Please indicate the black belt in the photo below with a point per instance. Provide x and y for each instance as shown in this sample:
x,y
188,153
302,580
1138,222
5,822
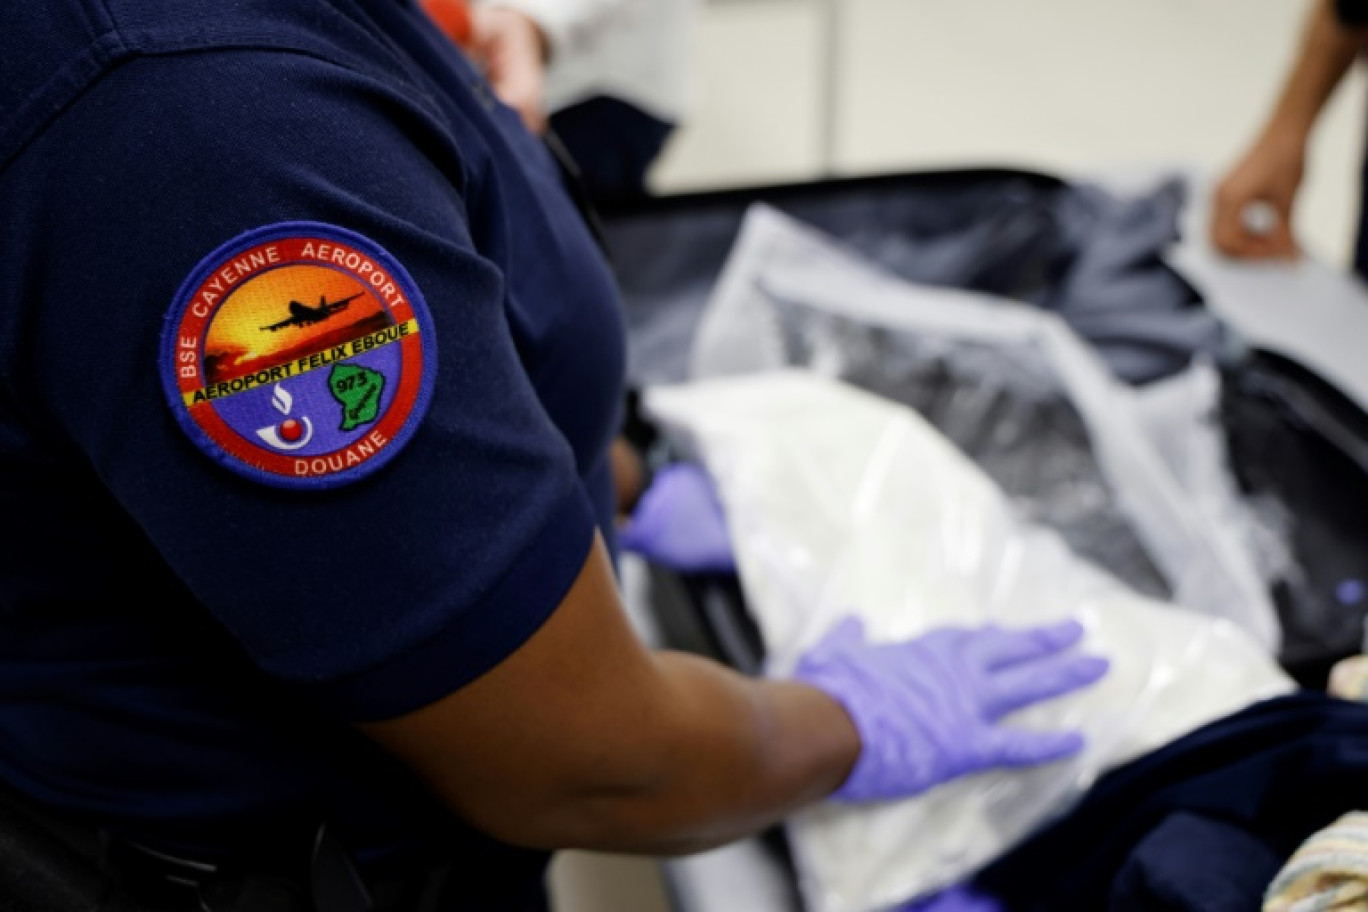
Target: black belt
x,y
49,863
320,878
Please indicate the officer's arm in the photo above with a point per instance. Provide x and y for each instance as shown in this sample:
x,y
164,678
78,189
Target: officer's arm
x,y
583,738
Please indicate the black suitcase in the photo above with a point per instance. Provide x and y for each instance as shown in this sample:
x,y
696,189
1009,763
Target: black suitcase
x,y
1294,439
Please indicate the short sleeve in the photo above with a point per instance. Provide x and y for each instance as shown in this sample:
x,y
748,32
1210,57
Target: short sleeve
x,y
379,595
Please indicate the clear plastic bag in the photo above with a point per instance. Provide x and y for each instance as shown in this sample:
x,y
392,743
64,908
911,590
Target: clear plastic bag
x,y
841,502
792,297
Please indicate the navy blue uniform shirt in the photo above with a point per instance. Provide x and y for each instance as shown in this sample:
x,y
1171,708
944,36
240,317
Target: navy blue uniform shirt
x,y
182,646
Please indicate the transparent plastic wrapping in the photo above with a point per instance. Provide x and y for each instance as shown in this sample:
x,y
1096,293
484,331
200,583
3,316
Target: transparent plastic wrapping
x,y
1002,405
1182,418
1012,386
841,502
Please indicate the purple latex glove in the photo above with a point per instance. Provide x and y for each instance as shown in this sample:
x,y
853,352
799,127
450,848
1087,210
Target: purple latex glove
x,y
956,899
679,524
927,709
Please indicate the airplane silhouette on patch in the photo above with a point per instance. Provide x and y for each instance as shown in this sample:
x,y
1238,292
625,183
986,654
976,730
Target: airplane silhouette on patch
x,y
302,315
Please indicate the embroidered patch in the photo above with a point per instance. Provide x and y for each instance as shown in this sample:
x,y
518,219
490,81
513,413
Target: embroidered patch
x,y
300,354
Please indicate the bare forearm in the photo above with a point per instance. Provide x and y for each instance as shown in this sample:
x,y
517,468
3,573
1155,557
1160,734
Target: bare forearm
x,y
1328,49
735,755
584,739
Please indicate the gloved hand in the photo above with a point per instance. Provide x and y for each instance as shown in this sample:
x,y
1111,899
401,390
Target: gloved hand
x,y
926,709
955,899
678,523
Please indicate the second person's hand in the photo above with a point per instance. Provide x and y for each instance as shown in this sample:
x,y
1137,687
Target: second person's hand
x,y
512,49
1266,179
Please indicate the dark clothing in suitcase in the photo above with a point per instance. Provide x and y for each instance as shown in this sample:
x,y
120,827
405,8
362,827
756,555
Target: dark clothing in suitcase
x,y
1242,793
1077,250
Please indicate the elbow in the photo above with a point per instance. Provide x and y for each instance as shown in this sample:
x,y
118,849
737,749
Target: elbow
x,y
638,805
573,818
602,823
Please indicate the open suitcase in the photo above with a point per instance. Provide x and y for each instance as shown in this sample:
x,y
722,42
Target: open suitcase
x,y
1292,436
1290,432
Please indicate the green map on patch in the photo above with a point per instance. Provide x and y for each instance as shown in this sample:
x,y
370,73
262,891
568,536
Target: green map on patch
x,y
358,389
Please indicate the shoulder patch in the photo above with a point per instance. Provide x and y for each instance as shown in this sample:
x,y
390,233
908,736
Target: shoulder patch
x,y
300,355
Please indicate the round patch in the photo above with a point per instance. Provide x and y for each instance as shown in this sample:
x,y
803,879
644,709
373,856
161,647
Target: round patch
x,y
301,355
